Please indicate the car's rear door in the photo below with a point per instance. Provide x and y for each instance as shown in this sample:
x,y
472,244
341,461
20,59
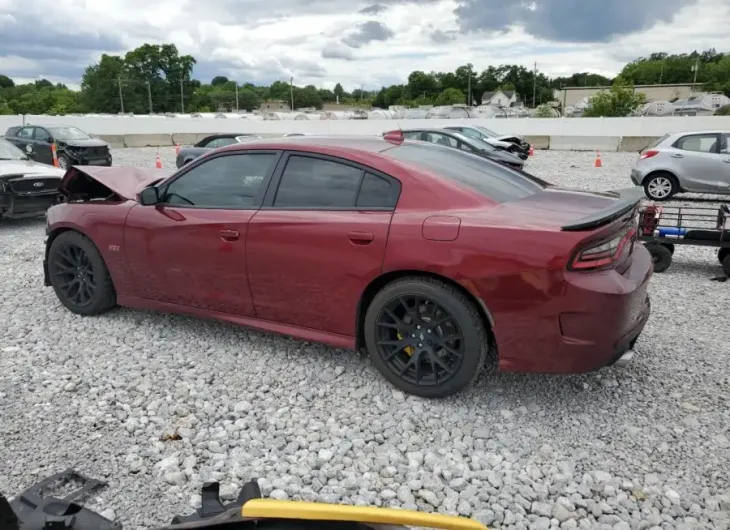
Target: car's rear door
x,y
318,241
698,162
23,139
724,184
190,249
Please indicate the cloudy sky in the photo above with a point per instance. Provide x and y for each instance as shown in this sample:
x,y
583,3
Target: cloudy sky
x,y
356,42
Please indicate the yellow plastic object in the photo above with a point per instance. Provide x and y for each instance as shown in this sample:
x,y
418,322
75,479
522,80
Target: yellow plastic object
x,y
314,511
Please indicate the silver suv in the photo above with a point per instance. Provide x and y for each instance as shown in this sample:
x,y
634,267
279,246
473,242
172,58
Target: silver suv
x,y
696,161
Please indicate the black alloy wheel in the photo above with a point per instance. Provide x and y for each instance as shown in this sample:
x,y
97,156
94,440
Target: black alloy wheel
x,y
426,337
79,276
419,340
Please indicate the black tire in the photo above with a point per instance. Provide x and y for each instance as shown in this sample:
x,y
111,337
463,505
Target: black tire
x,y
722,254
64,162
473,344
669,247
661,181
726,265
660,255
99,287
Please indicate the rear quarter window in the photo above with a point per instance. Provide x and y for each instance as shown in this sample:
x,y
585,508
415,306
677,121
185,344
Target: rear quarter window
x,y
490,179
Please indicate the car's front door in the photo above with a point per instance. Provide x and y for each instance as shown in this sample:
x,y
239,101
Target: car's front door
x,y
42,141
318,241
190,249
698,162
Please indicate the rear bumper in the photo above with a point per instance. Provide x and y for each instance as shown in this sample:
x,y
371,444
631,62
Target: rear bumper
x,y
636,177
577,322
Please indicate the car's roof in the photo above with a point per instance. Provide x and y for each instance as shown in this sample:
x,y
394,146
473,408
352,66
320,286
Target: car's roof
x,y
705,131
431,129
373,144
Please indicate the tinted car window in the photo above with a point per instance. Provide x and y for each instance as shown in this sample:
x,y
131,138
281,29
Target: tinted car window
x,y
493,180
316,183
226,182
42,135
376,192
471,133
701,143
26,133
68,133
725,143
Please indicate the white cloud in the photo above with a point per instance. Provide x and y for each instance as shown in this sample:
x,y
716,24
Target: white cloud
x,y
260,41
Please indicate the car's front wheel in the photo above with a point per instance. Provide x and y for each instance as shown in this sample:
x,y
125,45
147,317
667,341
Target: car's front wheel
x,y
661,186
426,337
79,275
64,162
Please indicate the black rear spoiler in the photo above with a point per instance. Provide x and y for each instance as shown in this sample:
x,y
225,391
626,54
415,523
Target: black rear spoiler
x,y
627,200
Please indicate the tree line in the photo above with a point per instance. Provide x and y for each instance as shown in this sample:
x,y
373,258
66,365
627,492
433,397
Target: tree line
x,y
157,79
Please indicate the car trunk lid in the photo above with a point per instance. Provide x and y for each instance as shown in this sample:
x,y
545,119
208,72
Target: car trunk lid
x,y
96,182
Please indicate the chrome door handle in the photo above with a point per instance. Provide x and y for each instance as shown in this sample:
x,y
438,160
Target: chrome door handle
x,y
677,155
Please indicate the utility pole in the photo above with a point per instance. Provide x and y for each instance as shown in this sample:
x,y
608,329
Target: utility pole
x,y
534,86
468,95
121,98
236,97
291,87
696,68
182,96
149,95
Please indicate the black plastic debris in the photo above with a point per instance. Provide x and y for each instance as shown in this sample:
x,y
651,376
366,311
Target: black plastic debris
x,y
212,506
32,511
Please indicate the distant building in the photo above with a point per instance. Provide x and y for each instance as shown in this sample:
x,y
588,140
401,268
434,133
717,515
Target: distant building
x,y
501,98
570,96
343,107
274,106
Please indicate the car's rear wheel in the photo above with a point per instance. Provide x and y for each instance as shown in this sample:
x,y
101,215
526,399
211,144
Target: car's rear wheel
x,y
722,254
426,337
661,186
79,275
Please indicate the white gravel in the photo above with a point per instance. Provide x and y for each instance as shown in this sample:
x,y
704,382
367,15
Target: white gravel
x,y
645,447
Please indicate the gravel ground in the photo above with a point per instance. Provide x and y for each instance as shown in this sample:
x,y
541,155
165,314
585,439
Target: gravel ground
x,y
642,447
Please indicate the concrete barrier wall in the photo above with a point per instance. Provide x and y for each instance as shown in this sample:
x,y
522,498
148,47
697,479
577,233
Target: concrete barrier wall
x,y
555,143
146,125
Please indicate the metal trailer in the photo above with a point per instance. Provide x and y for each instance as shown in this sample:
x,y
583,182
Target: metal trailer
x,y
661,228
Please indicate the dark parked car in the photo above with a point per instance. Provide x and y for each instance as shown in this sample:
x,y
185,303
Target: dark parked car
x,y
214,141
509,142
73,146
27,188
435,260
457,140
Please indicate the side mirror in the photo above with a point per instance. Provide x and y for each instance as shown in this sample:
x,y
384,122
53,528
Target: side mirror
x,y
149,196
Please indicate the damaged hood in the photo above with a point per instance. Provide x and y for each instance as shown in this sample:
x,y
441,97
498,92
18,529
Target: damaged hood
x,y
123,181
28,167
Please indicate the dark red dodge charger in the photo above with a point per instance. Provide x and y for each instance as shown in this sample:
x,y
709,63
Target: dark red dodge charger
x,y
437,261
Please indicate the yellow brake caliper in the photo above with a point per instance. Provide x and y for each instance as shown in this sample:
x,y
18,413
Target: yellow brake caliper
x,y
408,349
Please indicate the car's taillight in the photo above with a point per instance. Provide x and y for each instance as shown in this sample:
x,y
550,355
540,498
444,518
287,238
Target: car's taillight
x,y
605,254
649,153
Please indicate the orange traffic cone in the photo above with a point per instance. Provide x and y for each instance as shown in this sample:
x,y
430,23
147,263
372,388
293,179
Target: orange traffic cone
x,y
598,162
532,151
158,162
177,148
54,154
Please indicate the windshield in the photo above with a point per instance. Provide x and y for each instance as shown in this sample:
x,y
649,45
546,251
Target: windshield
x,y
493,180
486,131
9,152
68,133
476,143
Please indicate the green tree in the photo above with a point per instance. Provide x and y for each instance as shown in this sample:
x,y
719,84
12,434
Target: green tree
x,y
544,111
219,80
339,92
619,101
723,111
451,96
6,82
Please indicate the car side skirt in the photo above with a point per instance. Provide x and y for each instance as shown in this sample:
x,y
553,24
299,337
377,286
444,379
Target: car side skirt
x,y
308,334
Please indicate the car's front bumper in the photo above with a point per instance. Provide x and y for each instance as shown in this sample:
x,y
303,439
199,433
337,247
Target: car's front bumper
x,y
17,206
